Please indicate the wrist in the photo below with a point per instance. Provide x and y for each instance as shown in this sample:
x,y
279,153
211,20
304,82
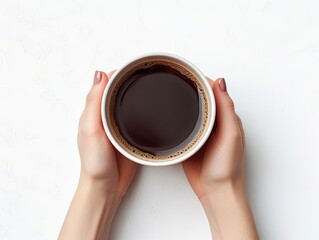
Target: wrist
x,y
101,203
98,189
228,212
91,212
222,191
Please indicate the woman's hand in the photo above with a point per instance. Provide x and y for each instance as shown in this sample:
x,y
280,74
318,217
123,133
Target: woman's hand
x,y
105,174
216,173
220,161
100,161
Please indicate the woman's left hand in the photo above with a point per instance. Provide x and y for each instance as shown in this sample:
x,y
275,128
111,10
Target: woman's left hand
x,y
100,161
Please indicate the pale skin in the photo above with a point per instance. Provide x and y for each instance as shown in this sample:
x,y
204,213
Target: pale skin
x,y
216,174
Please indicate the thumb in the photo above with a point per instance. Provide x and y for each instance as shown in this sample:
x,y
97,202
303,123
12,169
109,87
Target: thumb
x,y
226,118
92,111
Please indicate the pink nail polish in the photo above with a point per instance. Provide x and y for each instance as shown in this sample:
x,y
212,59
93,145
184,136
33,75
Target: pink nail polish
x,y
222,84
97,77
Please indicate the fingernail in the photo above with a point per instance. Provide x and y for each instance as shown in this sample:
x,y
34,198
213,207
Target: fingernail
x,y
222,84
97,77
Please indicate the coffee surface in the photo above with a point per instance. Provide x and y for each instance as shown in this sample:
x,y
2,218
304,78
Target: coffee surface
x,y
157,110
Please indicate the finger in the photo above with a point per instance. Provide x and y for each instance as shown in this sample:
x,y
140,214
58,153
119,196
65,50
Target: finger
x,y
242,133
193,165
126,167
110,74
210,81
92,111
226,118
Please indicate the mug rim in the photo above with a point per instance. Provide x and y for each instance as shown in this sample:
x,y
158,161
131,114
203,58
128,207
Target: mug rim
x,y
211,111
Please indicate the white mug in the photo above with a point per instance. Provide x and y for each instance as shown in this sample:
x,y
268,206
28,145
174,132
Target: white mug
x,y
209,101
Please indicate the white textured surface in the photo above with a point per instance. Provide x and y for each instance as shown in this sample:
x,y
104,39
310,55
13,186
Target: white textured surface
x,y
268,52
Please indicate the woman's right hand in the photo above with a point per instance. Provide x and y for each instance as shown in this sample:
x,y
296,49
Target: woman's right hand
x,y
216,173
220,161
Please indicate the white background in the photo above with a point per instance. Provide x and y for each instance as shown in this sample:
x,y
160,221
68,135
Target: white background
x,y
268,52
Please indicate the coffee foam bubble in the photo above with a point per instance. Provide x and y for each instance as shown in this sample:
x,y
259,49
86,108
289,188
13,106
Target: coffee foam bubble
x,y
122,77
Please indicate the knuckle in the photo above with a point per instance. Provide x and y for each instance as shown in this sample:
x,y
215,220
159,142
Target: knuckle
x,y
239,121
241,127
231,103
90,97
234,136
86,130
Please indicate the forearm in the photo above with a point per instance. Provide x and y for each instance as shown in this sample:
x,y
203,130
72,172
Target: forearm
x,y
91,212
229,213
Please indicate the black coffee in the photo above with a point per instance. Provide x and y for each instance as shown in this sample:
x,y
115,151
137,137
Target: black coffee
x,y
157,110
